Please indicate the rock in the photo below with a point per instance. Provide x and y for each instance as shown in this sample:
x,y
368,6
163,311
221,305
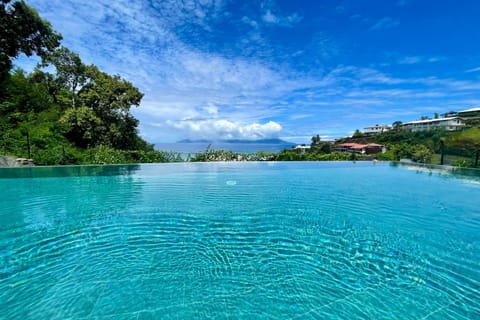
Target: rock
x,y
24,162
6,161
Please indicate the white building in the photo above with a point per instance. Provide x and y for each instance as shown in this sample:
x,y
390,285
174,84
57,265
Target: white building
x,y
469,113
301,148
448,124
376,129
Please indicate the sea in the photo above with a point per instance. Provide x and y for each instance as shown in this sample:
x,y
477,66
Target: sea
x,y
197,147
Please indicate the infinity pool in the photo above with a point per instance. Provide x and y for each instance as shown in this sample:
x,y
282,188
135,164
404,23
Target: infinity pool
x,y
239,241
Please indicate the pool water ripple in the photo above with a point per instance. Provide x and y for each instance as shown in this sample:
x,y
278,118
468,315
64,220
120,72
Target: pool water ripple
x,y
303,241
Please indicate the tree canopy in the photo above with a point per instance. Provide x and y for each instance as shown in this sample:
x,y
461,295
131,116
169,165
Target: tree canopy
x,y
22,31
64,108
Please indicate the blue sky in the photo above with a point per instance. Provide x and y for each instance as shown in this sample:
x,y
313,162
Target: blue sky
x,y
278,68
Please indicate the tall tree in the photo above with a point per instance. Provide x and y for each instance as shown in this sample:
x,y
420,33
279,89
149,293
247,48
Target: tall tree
x,y
111,98
315,140
22,31
71,72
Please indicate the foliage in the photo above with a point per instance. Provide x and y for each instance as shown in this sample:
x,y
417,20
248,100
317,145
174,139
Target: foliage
x,y
105,155
108,155
396,125
64,112
81,126
460,163
71,73
387,156
357,133
216,155
421,154
22,31
111,98
315,140
428,137
293,155
468,140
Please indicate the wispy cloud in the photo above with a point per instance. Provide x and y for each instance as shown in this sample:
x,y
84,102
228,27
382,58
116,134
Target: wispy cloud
x,y
283,21
249,21
410,60
385,23
272,16
473,70
420,59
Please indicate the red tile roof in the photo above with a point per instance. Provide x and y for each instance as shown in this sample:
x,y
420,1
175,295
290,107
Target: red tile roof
x,y
351,145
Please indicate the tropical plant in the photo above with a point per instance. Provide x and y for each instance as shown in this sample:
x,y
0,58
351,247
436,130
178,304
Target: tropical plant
x,y
468,140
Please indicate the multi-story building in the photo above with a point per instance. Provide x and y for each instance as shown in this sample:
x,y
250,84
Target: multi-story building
x,y
448,124
376,129
469,113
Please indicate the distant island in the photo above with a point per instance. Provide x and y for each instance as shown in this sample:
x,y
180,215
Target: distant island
x,y
259,141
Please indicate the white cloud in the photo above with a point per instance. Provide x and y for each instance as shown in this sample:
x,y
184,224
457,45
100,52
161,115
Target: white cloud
x,y
283,21
269,17
436,59
226,129
419,59
211,109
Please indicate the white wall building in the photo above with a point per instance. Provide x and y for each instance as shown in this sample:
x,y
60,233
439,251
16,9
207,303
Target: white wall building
x,y
376,129
469,113
449,124
301,148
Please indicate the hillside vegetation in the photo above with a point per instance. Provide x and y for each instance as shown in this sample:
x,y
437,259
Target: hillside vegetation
x,y
64,112
430,146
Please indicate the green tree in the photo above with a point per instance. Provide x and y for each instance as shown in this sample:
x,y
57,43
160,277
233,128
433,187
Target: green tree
x,y
111,98
421,154
326,147
29,121
468,140
80,126
357,134
401,151
22,31
396,126
71,73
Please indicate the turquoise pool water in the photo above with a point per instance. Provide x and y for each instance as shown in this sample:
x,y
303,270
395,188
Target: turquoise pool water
x,y
239,241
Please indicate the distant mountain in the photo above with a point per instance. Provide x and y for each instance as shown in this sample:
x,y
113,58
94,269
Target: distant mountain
x,y
259,141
